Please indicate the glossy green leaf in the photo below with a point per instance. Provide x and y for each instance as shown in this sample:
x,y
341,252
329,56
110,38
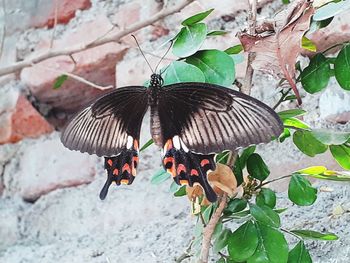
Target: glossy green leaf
x,y
222,157
181,191
341,154
331,9
217,66
234,50
330,136
265,215
315,235
308,144
316,75
285,2
217,33
160,177
296,123
272,248
300,191
245,155
266,197
146,145
280,210
222,240
257,168
189,40
196,18
308,44
243,242
332,176
59,81
290,113
286,134
342,67
299,254
237,171
179,71
313,170
235,205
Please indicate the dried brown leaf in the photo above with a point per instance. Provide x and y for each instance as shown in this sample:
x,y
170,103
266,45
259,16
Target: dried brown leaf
x,y
223,179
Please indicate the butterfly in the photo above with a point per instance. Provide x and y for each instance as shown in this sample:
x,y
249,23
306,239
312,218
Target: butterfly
x,y
190,121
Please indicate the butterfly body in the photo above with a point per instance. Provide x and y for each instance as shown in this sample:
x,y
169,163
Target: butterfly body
x,y
189,121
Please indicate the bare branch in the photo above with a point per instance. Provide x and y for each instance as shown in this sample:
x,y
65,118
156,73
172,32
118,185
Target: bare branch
x,y
246,88
209,229
112,38
73,76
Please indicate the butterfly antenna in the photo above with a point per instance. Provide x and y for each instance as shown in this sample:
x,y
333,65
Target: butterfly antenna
x,y
137,43
171,43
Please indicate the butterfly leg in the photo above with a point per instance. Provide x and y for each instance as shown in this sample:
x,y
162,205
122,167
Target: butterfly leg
x,y
188,168
121,169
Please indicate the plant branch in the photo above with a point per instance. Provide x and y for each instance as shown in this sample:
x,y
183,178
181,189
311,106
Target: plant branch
x,y
112,38
246,88
209,229
284,95
73,76
273,180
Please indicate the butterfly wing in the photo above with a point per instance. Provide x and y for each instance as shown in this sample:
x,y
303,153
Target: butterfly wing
x,y
196,120
210,118
110,127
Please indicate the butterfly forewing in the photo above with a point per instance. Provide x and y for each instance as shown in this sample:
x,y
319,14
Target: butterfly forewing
x,y
105,127
210,118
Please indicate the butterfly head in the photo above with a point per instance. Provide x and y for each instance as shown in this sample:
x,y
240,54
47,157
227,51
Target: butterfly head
x,y
156,80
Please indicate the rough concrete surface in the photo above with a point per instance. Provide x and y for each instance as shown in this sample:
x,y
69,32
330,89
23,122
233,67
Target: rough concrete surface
x,y
49,205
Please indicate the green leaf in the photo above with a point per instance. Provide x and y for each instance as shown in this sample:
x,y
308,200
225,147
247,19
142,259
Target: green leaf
x,y
284,135
341,154
237,171
243,242
245,155
280,210
235,205
329,137
308,44
146,145
308,144
265,215
315,235
181,191
222,157
300,191
189,40
207,213
285,2
196,18
290,97
266,197
342,67
296,123
222,240
179,71
160,177
217,33
332,176
313,170
290,113
299,254
217,66
234,50
59,81
316,75
331,9
272,248
257,168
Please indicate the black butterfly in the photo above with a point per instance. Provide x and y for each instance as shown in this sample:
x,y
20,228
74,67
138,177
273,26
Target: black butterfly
x,y
190,121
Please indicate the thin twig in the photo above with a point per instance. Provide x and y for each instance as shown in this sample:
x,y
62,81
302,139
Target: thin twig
x,y
246,88
186,254
273,180
112,38
209,229
284,95
54,24
2,40
73,76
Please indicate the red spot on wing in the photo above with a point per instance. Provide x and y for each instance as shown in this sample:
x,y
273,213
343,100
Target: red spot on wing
x,y
194,172
115,172
181,168
204,162
136,145
126,167
168,160
110,162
